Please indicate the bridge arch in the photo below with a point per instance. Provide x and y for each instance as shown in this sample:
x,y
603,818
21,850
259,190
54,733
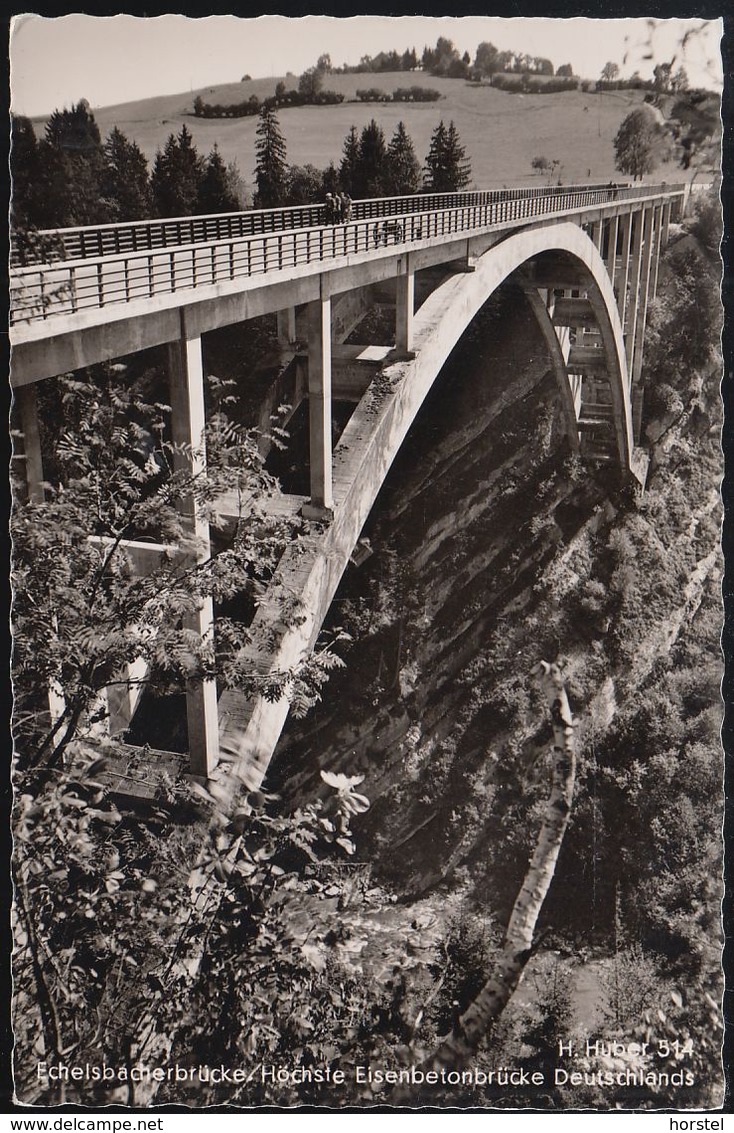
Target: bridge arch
x,y
378,427
556,258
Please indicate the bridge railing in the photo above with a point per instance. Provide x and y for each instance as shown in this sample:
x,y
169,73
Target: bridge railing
x,y
43,291
91,242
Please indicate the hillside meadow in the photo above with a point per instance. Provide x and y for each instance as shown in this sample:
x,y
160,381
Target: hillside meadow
x,y
502,131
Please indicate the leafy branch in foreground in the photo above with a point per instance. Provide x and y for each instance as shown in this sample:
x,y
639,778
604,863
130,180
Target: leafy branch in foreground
x,y
84,611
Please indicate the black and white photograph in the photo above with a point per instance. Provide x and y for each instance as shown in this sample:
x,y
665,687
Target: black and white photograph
x,y
366,563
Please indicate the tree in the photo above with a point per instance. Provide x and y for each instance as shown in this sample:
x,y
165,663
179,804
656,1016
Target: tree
x,y
271,169
305,185
409,60
447,170
565,71
542,66
215,190
348,168
323,63
679,81
444,59
661,76
370,172
610,72
486,60
25,173
402,166
637,144
176,177
310,83
126,183
72,162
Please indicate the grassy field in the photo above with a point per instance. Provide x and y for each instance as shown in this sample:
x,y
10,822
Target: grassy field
x,y
502,131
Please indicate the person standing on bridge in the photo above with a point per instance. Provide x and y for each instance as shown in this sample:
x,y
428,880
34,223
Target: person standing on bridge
x,y
346,210
330,209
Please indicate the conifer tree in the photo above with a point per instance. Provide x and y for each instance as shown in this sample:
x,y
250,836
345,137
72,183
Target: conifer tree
x,y
72,165
433,172
271,171
350,162
447,169
371,162
25,172
177,175
402,166
126,183
215,190
458,167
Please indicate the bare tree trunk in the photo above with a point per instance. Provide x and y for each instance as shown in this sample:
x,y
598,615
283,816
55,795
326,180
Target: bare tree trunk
x,y
494,996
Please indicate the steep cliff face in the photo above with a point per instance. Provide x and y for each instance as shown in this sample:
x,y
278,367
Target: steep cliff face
x,y
492,548
478,502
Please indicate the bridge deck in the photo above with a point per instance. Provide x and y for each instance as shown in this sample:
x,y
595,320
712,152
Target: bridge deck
x,y
43,293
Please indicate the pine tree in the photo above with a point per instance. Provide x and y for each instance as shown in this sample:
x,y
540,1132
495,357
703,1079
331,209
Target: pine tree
x,y
72,166
177,175
435,161
458,168
271,171
402,166
215,190
126,184
371,162
447,169
350,163
25,171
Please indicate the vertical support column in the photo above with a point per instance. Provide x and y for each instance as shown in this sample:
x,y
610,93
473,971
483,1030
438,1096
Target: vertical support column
x,y
404,307
639,220
644,292
597,235
658,238
612,249
665,222
640,324
624,278
26,399
188,420
319,405
286,323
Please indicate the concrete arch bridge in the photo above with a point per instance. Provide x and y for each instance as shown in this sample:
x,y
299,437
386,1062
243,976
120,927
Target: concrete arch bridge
x,y
587,259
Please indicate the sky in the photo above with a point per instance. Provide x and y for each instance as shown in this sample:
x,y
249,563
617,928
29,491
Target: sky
x,y
113,59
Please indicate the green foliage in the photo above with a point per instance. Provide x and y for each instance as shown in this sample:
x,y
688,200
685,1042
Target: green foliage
x,y
81,613
638,144
370,170
270,170
631,985
684,323
468,949
305,185
216,189
125,183
176,176
447,168
403,169
350,162
131,945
